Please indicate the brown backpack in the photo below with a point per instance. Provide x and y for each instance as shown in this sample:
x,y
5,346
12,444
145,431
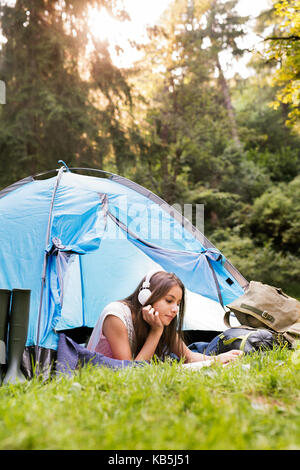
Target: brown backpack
x,y
264,306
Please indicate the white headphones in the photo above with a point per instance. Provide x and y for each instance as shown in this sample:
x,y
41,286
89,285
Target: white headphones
x,y
145,293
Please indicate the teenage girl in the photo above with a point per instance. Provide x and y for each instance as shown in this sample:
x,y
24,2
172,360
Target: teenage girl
x,y
147,323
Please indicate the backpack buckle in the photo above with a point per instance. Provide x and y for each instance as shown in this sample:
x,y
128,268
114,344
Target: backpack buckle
x,y
267,316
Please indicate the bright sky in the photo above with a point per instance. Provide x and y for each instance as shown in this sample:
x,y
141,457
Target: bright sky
x,y
145,12
142,13
251,8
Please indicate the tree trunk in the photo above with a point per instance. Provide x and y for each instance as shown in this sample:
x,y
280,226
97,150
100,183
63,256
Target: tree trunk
x,y
228,104
164,135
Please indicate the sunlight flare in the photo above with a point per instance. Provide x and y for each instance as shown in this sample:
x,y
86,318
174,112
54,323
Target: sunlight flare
x,y
121,35
118,34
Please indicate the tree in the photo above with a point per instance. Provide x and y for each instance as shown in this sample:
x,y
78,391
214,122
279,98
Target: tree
x,y
275,217
51,112
268,142
224,28
285,49
186,120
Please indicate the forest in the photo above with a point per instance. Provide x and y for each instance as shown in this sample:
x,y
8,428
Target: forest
x,y
172,121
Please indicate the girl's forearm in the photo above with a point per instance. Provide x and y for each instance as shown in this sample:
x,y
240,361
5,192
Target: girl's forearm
x,y
182,351
150,345
196,357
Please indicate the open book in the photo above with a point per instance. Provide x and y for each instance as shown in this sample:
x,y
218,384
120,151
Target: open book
x,y
198,365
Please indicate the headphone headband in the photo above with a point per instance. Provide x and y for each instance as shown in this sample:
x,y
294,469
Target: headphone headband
x,y
145,292
146,283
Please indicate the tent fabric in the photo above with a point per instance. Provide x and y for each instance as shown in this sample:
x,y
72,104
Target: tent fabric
x,y
71,232
79,242
194,269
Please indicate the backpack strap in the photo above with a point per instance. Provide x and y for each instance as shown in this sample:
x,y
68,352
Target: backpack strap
x,y
242,345
262,313
226,319
227,322
243,339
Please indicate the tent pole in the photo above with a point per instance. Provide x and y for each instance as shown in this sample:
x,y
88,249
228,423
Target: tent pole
x,y
59,175
82,291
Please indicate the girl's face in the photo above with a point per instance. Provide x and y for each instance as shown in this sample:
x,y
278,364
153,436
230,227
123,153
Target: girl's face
x,y
168,305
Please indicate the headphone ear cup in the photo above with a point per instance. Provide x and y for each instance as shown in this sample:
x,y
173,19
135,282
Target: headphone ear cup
x,y
144,295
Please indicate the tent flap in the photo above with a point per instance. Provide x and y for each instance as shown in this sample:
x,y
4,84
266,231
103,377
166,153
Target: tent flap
x,y
77,227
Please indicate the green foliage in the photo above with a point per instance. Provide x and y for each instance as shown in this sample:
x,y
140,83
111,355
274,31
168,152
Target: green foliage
x,y
275,216
285,49
261,239
268,142
260,262
218,206
261,126
280,165
241,175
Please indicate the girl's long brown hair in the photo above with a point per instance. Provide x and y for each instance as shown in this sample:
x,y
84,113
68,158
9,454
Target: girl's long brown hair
x,y
160,283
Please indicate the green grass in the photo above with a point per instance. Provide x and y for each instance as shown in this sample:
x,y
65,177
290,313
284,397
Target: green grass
x,y
253,403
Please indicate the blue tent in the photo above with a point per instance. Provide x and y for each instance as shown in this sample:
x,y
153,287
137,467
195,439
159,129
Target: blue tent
x,y
79,241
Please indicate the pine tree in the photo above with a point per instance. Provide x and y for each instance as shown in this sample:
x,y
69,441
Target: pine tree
x,y
224,28
52,112
187,126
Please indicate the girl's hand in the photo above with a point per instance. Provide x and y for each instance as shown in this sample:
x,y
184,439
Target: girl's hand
x,y
152,318
228,356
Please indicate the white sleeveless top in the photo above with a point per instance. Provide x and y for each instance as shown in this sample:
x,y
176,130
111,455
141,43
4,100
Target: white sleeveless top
x,y
97,341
